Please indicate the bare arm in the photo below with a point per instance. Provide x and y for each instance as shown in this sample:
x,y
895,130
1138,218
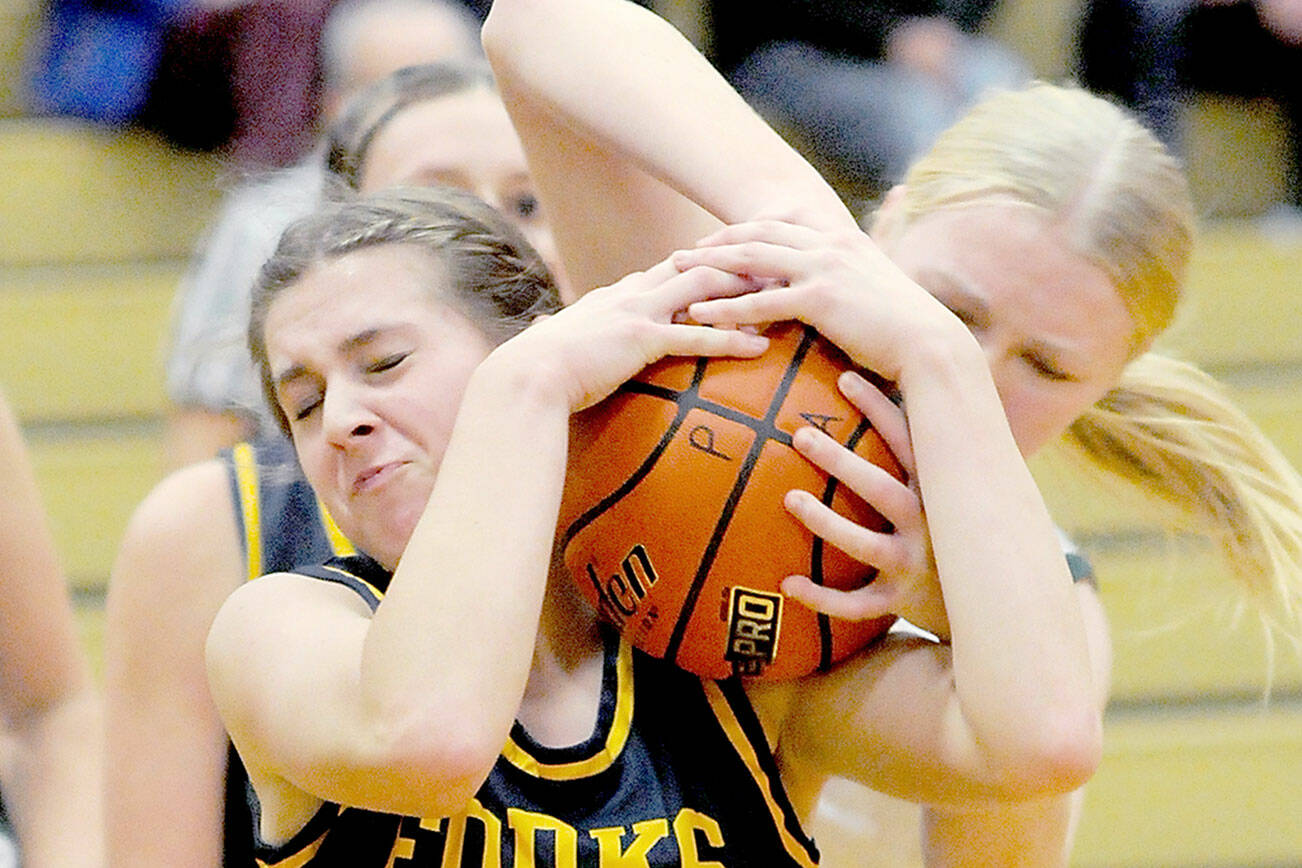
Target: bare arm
x,y
50,706
197,434
1031,834
166,758
633,139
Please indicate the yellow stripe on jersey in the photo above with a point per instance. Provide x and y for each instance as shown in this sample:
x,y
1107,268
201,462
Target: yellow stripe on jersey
x,y
616,738
246,477
339,543
298,859
746,751
376,592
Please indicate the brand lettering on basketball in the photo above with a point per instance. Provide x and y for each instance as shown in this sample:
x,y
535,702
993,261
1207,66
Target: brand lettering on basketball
x,y
820,421
753,624
618,596
702,437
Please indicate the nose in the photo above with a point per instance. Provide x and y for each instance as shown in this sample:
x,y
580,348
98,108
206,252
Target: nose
x,y
346,416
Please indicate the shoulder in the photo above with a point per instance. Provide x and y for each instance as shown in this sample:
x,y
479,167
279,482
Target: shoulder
x,y
182,538
188,504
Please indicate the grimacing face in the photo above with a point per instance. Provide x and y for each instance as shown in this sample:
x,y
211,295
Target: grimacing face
x,y
369,369
1055,332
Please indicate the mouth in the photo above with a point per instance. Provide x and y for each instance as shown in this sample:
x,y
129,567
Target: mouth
x,y
373,477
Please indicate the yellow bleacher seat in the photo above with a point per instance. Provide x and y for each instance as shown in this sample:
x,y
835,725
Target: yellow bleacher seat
x,y
90,345
91,484
1244,304
74,192
1175,633
18,21
1205,788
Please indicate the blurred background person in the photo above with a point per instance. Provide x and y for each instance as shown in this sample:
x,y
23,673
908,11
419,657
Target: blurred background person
x,y
50,753
210,381
1157,55
861,86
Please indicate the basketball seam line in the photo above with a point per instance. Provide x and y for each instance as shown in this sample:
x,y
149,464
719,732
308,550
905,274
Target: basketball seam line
x,y
762,436
816,552
732,414
638,475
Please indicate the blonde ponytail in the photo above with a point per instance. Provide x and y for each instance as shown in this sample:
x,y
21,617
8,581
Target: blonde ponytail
x,y
1169,430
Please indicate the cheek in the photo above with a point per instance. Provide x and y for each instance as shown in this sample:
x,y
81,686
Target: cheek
x,y
1035,414
312,460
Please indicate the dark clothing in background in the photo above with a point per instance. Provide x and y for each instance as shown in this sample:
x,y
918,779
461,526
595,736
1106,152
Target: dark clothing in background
x,y
1154,54
853,28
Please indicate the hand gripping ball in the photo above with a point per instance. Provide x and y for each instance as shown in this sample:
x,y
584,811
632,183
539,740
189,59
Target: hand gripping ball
x,y
672,523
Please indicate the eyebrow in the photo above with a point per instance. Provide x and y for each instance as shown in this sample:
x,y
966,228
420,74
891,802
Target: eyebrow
x,y
978,309
361,339
975,305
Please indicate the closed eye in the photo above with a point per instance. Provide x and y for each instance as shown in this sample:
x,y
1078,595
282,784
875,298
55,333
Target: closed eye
x,y
306,410
387,363
1044,368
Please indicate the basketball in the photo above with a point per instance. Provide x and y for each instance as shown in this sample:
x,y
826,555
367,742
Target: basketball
x,y
672,524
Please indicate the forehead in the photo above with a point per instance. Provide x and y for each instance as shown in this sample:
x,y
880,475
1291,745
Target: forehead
x,y
373,288
466,134
1022,267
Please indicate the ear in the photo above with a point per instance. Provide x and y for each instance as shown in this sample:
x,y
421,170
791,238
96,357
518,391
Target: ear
x,y
883,222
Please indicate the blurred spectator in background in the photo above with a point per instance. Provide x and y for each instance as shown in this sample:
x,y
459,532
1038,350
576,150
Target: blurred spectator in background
x,y
204,74
96,59
247,77
50,738
243,76
1155,54
860,86
216,400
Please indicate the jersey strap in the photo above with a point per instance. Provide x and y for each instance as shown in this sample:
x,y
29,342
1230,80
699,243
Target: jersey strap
x,y
732,707
614,722
282,524
359,572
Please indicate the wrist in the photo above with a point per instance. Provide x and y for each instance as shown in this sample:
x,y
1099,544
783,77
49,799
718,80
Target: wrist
x,y
527,381
947,353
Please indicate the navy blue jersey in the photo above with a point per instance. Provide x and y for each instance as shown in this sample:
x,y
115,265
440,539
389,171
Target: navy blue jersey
x,y
281,525
676,773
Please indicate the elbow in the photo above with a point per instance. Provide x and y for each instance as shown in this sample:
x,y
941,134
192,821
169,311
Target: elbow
x,y
1062,757
424,767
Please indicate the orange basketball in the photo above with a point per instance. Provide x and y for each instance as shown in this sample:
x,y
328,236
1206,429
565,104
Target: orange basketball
x,y
673,525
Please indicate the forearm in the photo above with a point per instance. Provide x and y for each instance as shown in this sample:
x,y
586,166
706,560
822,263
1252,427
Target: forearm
x,y
54,793
631,83
166,770
453,640
1023,682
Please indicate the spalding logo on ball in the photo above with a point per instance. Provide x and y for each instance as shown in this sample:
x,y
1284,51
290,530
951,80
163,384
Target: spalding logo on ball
x,y
673,525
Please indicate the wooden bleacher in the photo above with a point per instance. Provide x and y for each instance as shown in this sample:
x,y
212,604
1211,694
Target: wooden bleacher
x,y
95,229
